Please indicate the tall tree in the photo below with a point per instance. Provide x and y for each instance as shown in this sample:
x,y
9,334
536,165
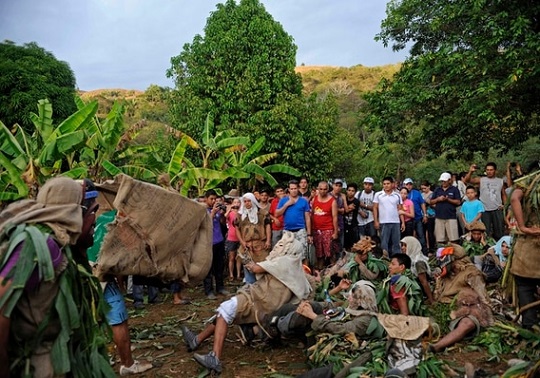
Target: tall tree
x,y
29,73
242,72
471,81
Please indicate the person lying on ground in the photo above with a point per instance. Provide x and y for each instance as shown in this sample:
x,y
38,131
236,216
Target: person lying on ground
x,y
419,264
467,321
280,279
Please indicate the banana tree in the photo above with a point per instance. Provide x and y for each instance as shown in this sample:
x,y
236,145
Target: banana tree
x,y
32,159
248,161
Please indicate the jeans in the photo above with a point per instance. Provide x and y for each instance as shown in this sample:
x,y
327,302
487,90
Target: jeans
x,y
421,235
138,294
494,221
216,270
390,237
367,229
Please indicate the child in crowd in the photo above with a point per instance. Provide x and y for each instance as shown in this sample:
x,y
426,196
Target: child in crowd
x,y
472,209
398,298
232,243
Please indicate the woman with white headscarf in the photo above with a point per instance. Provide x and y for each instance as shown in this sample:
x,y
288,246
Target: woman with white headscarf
x,y
253,229
419,264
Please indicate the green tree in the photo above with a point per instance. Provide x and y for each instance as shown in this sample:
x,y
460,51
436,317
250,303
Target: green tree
x,y
471,81
242,72
29,73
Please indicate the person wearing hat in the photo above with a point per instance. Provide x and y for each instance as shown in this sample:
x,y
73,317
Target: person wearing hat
x,y
446,198
476,242
366,225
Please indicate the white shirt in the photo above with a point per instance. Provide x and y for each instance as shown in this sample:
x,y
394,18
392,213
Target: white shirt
x,y
388,206
367,200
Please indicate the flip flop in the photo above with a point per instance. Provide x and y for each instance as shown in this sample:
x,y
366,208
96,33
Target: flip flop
x,y
183,302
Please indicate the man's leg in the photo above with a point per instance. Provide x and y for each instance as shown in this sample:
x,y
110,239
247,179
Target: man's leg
x,y
395,239
526,290
498,224
219,266
487,219
440,231
421,235
463,328
122,341
385,237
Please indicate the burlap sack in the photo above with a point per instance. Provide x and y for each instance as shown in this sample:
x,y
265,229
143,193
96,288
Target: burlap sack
x,y
156,233
403,326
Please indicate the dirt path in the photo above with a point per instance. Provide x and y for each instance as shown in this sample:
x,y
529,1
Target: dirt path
x,y
156,336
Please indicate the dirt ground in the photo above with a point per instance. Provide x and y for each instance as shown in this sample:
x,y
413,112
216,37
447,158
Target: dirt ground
x,y
156,337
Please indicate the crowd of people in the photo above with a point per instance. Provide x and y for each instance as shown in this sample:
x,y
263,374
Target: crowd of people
x,y
326,258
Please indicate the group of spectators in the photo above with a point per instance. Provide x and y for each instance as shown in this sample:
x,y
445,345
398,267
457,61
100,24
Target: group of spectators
x,y
327,258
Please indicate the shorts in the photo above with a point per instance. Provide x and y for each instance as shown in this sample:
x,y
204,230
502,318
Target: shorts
x,y
227,310
231,246
453,324
117,313
446,230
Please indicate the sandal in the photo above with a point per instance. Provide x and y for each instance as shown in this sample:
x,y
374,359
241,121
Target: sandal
x,y
183,302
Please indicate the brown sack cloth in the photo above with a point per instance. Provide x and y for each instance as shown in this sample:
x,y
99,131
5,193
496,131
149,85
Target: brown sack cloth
x,y
156,233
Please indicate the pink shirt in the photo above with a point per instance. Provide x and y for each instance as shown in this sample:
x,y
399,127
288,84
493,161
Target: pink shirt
x,y
231,231
407,206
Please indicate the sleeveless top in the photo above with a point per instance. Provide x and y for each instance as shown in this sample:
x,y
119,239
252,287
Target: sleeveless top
x,y
322,214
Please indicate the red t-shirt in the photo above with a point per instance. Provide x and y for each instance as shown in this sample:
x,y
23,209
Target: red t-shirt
x,y
322,214
273,208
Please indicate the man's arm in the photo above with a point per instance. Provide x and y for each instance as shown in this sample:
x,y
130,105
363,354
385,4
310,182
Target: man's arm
x,y
515,202
468,177
335,220
376,215
255,268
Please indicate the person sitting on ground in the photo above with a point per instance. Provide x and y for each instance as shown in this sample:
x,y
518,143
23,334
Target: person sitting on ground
x,y
471,315
281,279
457,273
359,265
398,287
476,243
419,264
502,249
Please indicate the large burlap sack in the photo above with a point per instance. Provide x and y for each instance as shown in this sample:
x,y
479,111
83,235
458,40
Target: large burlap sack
x,y
156,233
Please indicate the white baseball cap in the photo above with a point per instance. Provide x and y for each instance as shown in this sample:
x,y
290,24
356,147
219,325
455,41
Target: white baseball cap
x,y
369,180
407,181
445,176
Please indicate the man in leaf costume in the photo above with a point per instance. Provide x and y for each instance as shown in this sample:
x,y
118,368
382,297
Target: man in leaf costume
x,y
525,201
49,308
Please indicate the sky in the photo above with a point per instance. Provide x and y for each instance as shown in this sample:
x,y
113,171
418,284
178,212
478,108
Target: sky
x,y
129,43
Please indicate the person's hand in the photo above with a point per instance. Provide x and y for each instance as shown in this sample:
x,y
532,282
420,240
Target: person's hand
x,y
473,168
305,309
534,231
363,214
292,201
267,244
277,222
335,235
344,284
310,239
402,226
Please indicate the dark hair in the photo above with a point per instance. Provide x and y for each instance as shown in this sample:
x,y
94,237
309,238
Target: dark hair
x,y
264,190
293,182
352,185
279,186
462,175
403,259
304,178
210,192
404,187
491,164
425,183
388,178
471,187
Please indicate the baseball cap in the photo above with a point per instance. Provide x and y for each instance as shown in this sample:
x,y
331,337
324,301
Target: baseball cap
x,y
369,180
407,181
445,176
338,181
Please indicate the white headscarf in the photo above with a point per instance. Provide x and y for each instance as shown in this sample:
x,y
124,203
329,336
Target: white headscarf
x,y
498,247
414,250
363,299
252,213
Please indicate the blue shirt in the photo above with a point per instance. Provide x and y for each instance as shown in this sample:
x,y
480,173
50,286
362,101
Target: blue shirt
x,y
294,216
416,197
444,209
470,209
217,235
